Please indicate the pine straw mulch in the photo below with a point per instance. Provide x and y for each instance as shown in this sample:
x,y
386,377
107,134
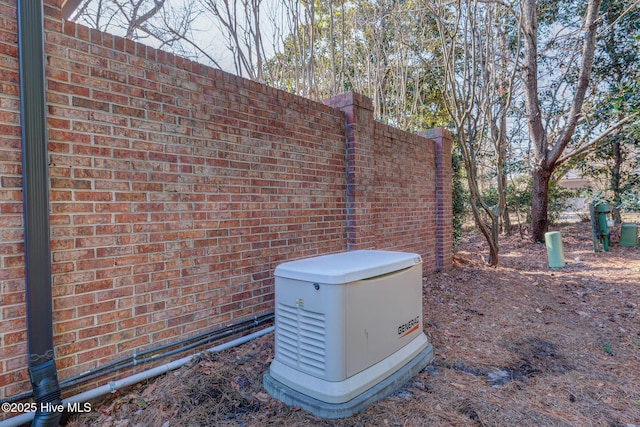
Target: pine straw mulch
x,y
516,345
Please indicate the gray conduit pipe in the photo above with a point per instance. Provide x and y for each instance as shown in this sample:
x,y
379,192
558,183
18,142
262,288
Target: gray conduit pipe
x,y
113,386
156,353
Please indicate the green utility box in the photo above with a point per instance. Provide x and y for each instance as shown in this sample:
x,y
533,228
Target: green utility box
x,y
603,210
555,252
628,235
599,225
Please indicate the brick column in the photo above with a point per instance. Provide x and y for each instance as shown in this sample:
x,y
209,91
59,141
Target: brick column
x,y
443,141
360,173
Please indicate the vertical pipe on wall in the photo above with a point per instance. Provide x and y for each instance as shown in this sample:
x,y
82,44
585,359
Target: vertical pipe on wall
x,y
35,183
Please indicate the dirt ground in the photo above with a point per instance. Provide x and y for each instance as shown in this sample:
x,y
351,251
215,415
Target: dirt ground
x,y
516,345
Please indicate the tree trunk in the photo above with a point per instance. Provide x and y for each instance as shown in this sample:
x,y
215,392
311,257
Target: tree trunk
x,y
548,152
503,210
489,233
615,178
540,204
506,221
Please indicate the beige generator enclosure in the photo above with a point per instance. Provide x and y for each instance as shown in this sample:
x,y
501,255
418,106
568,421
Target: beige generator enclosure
x,y
348,330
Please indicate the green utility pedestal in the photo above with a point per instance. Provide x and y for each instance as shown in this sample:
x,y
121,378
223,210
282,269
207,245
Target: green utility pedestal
x,y
603,229
599,227
553,241
628,235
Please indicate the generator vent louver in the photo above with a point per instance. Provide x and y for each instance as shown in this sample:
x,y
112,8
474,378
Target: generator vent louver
x,y
301,338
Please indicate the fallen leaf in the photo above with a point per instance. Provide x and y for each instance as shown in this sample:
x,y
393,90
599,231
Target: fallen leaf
x,y
262,396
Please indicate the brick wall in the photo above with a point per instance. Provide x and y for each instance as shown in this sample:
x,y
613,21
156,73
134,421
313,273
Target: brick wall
x,y
443,142
176,189
391,181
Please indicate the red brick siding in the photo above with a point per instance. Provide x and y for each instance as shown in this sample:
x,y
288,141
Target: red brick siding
x,y
392,186
443,141
176,189
405,193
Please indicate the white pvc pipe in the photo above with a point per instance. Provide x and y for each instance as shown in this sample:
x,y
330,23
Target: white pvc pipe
x,y
112,386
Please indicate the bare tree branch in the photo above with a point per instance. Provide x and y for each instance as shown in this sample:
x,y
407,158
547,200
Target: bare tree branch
x,y
595,142
588,50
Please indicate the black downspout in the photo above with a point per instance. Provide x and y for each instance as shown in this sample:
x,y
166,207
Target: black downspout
x,y
35,184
